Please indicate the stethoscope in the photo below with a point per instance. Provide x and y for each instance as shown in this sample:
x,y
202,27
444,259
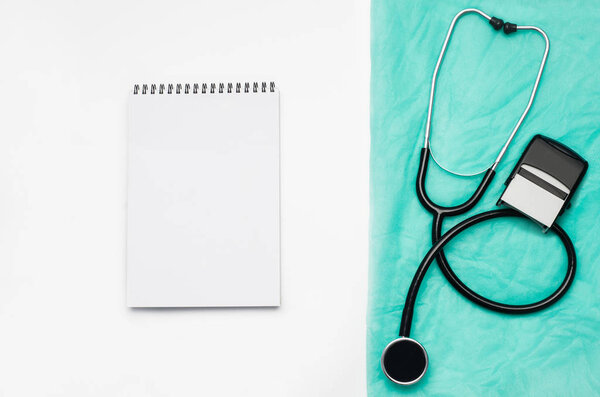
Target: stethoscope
x,y
404,360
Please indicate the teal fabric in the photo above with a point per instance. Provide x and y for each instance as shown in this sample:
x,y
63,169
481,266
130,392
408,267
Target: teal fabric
x,y
483,87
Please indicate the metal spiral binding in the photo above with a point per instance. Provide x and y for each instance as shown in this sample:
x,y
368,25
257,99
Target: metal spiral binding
x,y
204,88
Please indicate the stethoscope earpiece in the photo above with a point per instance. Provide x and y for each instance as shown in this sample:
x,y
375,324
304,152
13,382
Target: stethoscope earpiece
x,y
404,361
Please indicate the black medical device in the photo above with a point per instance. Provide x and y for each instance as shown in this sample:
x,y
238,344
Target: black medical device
x,y
543,182
540,187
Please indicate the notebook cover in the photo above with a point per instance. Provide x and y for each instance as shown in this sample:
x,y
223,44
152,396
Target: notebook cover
x,y
203,198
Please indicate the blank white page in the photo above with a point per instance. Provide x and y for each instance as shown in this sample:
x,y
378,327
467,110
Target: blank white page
x,y
203,199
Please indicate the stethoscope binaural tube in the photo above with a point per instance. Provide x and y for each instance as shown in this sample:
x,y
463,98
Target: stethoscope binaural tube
x,y
404,360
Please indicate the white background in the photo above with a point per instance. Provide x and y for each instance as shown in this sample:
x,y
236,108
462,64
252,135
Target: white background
x,y
66,68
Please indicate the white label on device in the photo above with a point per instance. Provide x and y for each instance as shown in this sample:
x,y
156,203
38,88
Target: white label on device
x,y
534,201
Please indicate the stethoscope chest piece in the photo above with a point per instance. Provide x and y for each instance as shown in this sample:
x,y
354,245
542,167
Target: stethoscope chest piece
x,y
404,361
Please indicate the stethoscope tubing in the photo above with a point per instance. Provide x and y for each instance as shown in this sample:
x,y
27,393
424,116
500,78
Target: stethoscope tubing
x,y
436,249
439,212
400,362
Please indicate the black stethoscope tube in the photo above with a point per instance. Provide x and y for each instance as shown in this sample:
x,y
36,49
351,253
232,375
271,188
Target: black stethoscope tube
x,y
404,360
438,210
439,241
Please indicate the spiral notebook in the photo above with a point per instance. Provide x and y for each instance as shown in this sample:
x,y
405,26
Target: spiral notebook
x,y
203,195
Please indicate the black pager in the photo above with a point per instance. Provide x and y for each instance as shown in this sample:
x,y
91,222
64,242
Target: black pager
x,y
544,180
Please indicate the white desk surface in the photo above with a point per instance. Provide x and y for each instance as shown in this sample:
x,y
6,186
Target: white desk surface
x,y
66,70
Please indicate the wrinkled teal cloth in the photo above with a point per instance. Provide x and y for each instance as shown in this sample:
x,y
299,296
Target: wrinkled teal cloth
x,y
483,86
